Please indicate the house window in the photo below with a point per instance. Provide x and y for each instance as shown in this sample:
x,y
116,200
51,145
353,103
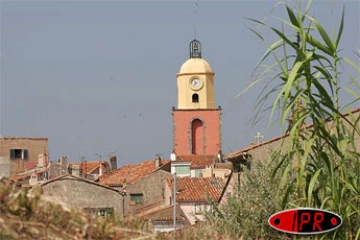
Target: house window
x,y
199,209
182,169
19,154
102,212
197,172
136,198
195,98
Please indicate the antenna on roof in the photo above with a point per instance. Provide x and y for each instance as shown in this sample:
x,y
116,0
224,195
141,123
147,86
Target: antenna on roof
x,y
98,155
82,159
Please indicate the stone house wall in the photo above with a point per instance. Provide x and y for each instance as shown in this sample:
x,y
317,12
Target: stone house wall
x,y
74,192
152,188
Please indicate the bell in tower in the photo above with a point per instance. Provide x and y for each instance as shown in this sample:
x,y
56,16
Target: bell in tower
x,y
195,49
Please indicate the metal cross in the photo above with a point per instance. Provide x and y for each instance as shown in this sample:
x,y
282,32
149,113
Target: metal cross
x,y
258,137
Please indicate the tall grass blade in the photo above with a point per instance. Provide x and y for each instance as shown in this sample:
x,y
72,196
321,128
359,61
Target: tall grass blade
x,y
341,28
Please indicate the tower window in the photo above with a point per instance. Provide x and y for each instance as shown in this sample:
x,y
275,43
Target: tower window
x,y
195,98
197,134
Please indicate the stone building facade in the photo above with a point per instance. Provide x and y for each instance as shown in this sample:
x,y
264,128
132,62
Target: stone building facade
x,y
79,193
146,193
22,153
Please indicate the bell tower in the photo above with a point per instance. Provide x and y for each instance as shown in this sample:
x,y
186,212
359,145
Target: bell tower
x,y
195,81
196,119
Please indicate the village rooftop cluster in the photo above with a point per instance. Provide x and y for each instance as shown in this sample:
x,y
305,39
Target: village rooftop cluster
x,y
196,163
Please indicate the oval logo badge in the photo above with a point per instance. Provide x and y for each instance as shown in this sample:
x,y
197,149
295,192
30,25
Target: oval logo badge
x,y
305,221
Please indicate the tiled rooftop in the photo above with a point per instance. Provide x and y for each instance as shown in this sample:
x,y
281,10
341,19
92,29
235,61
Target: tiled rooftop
x,y
30,165
130,173
197,161
223,165
69,176
162,213
197,189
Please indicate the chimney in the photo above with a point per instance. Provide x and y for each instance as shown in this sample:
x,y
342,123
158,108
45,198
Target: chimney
x,y
63,165
173,156
157,161
113,163
102,169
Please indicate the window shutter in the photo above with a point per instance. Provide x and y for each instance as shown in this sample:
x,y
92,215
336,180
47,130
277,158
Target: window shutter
x,y
12,153
26,154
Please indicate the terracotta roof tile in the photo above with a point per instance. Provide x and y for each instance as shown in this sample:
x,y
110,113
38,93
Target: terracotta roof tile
x,y
162,213
130,173
253,146
82,179
197,161
197,189
223,165
30,165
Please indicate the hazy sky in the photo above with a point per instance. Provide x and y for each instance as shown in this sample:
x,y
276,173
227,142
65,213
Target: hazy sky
x,y
97,77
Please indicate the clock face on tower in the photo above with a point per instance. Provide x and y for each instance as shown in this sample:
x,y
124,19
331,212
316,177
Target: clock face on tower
x,y
196,83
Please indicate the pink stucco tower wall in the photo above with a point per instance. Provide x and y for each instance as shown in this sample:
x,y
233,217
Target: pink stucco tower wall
x,y
196,131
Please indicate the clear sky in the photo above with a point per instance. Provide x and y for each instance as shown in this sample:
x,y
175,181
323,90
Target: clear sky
x,y
97,77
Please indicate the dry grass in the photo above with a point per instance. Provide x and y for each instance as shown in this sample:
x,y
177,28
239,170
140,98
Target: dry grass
x,y
24,215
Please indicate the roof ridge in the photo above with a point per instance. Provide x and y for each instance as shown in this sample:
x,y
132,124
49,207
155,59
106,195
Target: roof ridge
x,y
309,125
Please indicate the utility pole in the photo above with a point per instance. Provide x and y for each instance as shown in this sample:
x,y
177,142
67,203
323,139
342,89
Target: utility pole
x,y
174,204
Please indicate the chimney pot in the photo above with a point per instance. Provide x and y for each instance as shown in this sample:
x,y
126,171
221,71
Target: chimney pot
x,y
157,161
173,156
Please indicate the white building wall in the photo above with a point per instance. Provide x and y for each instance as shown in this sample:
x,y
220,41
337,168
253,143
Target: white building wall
x,y
189,211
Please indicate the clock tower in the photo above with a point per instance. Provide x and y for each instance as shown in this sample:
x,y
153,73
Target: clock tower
x,y
196,120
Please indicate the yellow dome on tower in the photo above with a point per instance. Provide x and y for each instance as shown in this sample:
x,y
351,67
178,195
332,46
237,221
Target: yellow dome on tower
x,y
196,65
195,81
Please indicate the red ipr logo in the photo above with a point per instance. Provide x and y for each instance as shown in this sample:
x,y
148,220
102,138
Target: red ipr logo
x,y
305,221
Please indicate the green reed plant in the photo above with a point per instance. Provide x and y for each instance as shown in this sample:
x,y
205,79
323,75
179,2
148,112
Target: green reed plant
x,y
323,155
